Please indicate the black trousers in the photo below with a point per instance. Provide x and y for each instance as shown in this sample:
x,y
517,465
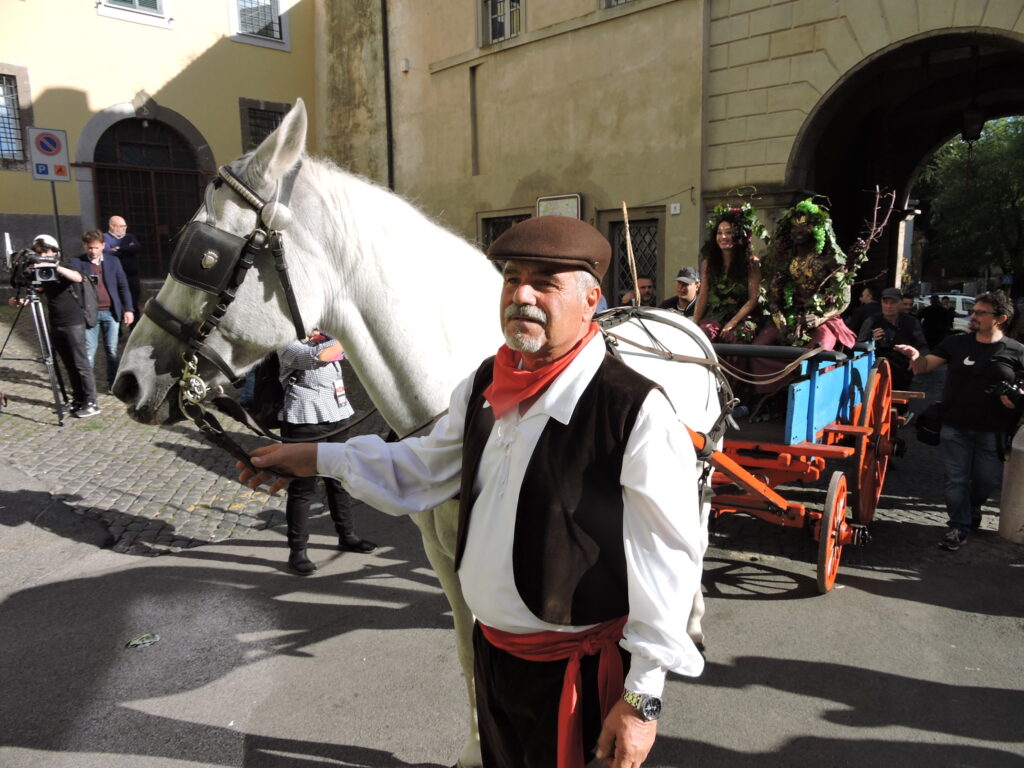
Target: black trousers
x,y
517,706
302,490
69,344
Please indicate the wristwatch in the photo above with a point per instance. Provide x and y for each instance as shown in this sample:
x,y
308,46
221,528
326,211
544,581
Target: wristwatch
x,y
648,707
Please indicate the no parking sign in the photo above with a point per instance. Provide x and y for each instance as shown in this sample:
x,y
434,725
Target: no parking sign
x,y
48,153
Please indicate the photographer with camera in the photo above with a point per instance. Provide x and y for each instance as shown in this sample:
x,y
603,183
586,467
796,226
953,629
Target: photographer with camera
x,y
892,327
113,299
980,409
59,283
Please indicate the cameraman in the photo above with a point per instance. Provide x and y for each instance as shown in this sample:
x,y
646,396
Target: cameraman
x,y
67,324
980,409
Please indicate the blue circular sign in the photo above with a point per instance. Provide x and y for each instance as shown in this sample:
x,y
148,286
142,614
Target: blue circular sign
x,y
48,143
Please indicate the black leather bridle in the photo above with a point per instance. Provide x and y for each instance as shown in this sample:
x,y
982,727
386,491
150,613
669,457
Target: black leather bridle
x,y
217,262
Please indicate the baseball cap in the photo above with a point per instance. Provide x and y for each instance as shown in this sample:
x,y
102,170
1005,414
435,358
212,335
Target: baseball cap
x,y
46,240
892,293
687,275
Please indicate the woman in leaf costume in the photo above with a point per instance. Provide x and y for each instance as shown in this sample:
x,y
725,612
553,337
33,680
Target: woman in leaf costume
x,y
727,306
807,281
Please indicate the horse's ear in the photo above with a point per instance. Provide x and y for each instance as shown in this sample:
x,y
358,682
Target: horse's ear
x,y
280,150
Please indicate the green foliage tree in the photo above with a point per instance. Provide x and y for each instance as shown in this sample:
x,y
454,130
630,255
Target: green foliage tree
x,y
974,200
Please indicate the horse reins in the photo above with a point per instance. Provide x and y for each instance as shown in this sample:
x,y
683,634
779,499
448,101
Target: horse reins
x,y
222,279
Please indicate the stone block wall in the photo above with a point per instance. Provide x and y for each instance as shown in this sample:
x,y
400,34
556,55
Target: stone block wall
x,y
770,63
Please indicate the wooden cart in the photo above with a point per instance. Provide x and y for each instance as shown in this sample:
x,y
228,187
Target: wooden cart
x,y
838,407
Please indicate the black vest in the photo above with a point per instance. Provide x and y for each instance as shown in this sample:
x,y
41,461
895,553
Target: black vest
x,y
568,557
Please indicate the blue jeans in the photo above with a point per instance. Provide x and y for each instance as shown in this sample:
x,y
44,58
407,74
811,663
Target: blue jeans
x,y
974,469
110,327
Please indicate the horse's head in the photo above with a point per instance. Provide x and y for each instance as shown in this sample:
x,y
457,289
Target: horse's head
x,y
204,266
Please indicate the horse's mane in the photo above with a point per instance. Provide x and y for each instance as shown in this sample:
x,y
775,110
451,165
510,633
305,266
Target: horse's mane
x,y
415,303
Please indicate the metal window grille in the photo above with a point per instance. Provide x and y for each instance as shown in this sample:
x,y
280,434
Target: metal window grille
x,y
262,123
645,250
503,19
259,17
494,227
152,6
11,145
147,173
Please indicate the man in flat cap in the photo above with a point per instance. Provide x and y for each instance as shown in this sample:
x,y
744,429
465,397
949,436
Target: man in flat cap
x,y
576,553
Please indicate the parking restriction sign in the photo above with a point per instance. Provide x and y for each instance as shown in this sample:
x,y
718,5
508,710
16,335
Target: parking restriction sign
x,y
48,152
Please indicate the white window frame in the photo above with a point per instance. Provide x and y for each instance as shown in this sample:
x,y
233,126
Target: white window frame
x,y
164,18
284,44
485,12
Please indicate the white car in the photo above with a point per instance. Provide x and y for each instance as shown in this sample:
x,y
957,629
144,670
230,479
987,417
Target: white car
x,y
961,306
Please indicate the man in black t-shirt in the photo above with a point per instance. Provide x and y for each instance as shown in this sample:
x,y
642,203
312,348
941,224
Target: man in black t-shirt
x,y
67,327
890,327
978,417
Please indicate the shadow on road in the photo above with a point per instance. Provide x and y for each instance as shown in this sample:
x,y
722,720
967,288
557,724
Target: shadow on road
x,y
873,699
811,752
83,690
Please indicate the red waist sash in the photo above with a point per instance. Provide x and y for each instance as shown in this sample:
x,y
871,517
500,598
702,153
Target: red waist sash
x,y
602,639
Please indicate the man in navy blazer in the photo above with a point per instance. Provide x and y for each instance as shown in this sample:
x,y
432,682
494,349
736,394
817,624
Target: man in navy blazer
x,y
113,296
126,246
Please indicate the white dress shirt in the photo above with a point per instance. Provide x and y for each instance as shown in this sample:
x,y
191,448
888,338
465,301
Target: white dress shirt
x,y
661,521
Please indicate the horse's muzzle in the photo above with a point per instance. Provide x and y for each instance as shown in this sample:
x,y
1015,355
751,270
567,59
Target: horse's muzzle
x,y
150,411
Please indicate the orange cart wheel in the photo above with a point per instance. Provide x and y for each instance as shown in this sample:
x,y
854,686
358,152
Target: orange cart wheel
x,y
875,448
833,520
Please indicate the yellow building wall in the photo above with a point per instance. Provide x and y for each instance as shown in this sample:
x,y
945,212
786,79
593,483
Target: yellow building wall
x,y
80,63
605,102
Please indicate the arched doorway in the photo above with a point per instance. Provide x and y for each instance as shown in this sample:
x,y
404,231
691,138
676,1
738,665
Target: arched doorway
x,y
885,117
145,171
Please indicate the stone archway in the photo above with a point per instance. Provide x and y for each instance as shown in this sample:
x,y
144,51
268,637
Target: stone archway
x,y
96,138
884,118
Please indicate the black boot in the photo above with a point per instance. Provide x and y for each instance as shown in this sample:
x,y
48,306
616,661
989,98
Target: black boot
x,y
353,543
301,564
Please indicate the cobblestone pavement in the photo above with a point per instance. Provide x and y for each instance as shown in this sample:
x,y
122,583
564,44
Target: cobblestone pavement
x,y
908,523
163,489
158,489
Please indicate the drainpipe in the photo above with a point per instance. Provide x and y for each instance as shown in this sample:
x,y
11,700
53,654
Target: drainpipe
x,y
388,130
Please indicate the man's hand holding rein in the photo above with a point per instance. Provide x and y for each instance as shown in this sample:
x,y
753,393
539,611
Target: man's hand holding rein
x,y
274,461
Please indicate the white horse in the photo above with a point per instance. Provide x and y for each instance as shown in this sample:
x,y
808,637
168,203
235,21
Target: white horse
x,y
415,306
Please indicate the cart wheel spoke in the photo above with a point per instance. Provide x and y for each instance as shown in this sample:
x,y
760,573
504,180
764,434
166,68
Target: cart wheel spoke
x,y
830,532
874,449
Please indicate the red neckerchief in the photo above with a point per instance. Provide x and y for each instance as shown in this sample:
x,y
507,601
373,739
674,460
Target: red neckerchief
x,y
554,646
511,385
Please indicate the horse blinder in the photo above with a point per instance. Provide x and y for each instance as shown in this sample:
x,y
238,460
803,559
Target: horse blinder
x,y
205,257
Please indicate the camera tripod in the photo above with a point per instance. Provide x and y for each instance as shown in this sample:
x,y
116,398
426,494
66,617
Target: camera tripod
x,y
60,395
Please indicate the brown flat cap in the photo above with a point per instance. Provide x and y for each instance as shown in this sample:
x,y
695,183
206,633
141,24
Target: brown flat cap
x,y
557,240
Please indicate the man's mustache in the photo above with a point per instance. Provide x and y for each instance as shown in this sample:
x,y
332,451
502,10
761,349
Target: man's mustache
x,y
528,311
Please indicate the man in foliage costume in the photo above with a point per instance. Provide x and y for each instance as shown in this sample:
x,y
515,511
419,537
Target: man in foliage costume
x,y
807,281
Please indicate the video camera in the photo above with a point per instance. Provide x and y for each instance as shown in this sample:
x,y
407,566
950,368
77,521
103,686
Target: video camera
x,y
1013,394
30,268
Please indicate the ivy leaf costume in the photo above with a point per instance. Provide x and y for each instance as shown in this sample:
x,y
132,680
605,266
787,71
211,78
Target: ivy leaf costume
x,y
803,292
